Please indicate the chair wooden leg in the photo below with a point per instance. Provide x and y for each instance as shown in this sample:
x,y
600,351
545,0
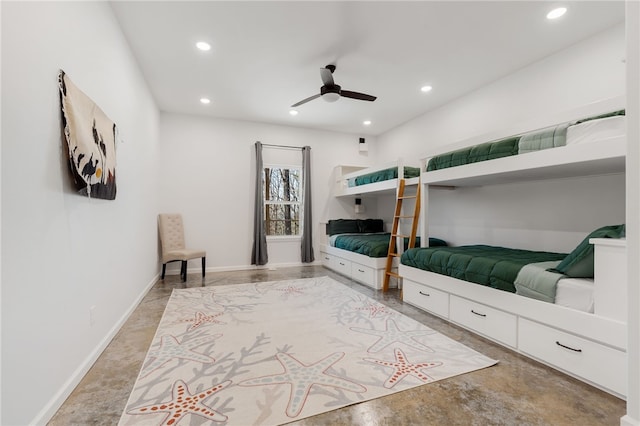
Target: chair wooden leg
x,y
204,262
183,271
164,268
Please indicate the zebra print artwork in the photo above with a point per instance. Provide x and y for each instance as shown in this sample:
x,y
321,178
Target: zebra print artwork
x,y
90,137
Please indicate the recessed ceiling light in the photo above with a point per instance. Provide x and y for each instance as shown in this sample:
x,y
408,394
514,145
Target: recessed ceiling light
x,y
293,112
556,13
426,88
203,45
205,101
366,122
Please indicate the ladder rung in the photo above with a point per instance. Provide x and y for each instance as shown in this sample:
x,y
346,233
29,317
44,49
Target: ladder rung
x,y
393,274
404,197
400,235
394,254
404,217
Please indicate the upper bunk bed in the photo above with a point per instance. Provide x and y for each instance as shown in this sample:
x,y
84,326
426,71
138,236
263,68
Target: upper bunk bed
x,y
587,141
374,180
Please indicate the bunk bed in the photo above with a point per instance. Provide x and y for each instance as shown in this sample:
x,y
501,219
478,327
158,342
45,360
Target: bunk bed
x,y
358,249
588,345
374,180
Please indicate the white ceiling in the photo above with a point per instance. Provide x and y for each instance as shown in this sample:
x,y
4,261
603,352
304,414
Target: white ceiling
x,y
266,55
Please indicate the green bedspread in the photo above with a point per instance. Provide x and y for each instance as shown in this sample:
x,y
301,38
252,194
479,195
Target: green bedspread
x,y
495,267
382,175
374,244
474,154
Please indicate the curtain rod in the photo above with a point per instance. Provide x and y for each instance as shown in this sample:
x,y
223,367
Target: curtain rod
x,y
283,146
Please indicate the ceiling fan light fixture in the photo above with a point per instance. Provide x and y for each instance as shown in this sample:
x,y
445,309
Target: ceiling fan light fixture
x,y
331,97
293,112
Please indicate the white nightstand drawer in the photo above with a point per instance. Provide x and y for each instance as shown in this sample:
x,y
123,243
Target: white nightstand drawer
x,y
425,297
362,273
597,363
493,323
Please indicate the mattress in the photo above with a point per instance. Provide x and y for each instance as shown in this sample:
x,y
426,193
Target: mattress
x,y
596,130
495,267
575,293
591,129
382,175
372,244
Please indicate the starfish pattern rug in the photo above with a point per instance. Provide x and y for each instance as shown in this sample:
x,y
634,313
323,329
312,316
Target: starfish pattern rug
x,y
273,352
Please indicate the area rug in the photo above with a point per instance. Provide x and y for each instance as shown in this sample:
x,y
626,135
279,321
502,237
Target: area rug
x,y
273,352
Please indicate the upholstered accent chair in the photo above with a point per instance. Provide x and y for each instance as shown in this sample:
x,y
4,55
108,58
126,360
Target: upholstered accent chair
x,y
171,231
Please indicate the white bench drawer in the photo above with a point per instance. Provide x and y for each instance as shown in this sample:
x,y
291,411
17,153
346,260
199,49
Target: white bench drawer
x,y
493,323
326,259
594,362
362,273
425,297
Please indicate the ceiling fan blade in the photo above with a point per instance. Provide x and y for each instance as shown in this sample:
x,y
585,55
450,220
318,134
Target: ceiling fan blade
x,y
327,77
357,95
304,101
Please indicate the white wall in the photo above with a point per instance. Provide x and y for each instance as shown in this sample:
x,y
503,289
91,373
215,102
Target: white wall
x,y
207,174
536,214
63,253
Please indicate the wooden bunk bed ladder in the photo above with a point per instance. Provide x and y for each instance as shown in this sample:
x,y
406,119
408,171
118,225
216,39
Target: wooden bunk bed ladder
x,y
393,241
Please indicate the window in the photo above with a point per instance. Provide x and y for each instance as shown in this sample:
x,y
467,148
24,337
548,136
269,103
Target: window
x,y
282,200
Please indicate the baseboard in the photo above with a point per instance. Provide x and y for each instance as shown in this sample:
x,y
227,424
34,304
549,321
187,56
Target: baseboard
x,y
197,270
628,421
56,402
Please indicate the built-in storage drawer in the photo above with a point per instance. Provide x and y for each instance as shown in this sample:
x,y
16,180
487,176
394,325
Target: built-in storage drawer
x,y
594,362
340,265
326,259
362,273
493,323
425,297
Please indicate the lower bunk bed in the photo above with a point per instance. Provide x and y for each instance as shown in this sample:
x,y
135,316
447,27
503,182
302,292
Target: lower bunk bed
x,y
580,332
358,249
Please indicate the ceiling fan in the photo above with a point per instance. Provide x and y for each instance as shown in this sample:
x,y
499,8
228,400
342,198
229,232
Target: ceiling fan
x,y
331,92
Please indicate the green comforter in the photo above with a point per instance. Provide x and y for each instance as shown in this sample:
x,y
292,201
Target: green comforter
x,y
495,267
474,154
387,174
373,245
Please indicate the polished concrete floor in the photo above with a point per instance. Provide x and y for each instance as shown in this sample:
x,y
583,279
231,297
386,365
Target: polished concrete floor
x,y
517,391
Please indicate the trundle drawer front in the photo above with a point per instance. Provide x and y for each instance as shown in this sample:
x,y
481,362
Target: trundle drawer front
x,y
427,298
361,273
493,323
340,265
326,259
597,363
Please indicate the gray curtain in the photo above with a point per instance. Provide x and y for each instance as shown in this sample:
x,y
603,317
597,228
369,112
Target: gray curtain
x,y
307,229
259,254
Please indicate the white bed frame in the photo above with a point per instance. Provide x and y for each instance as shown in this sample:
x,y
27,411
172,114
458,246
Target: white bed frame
x,y
343,173
364,269
591,347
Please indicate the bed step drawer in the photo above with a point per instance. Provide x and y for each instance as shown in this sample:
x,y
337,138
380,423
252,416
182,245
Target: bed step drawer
x,y
425,297
362,273
493,323
599,364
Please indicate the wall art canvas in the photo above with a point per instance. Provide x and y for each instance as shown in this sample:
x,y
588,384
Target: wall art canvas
x,y
90,136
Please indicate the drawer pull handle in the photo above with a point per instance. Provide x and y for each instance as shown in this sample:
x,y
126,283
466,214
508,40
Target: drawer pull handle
x,y
326,258
360,270
567,347
478,313
342,263
425,294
